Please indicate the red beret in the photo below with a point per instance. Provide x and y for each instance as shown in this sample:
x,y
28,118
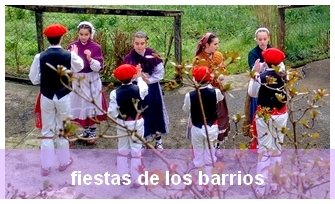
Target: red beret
x,y
273,56
54,30
201,73
125,72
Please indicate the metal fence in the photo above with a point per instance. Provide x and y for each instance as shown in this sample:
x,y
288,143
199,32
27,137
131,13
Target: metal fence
x,y
114,28
304,32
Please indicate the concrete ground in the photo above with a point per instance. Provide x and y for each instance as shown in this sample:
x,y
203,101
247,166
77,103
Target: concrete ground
x,y
22,158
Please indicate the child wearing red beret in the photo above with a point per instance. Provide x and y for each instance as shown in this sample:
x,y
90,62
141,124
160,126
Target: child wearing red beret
x,y
269,135
262,37
121,107
207,54
54,100
210,96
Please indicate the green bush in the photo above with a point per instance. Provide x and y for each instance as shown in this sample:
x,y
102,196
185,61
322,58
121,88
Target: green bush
x,y
307,33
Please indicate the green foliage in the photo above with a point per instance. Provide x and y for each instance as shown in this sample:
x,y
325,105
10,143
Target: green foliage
x,y
313,39
307,36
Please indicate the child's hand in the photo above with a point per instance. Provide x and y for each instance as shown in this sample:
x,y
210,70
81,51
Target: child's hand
x,y
74,48
88,55
257,66
139,71
220,78
145,78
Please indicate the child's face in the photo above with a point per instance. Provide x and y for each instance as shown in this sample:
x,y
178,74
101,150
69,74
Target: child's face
x,y
84,35
139,45
213,46
262,39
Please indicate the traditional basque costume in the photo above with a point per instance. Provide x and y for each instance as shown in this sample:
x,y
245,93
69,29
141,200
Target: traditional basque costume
x,y
90,87
55,97
121,104
269,135
156,120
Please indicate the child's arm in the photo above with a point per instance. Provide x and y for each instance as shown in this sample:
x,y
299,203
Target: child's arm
x,y
254,86
282,67
157,74
219,96
143,87
187,103
77,63
112,108
97,60
259,66
34,73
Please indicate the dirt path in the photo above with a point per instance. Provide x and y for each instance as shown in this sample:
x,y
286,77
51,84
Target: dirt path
x,y
22,158
20,100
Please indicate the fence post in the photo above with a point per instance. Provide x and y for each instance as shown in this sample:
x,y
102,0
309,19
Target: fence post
x,y
39,30
281,29
177,38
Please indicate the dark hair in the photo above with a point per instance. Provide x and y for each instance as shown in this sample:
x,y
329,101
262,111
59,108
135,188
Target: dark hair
x,y
203,82
210,39
125,81
85,26
54,40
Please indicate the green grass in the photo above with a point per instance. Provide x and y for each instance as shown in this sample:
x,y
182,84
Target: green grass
x,y
306,38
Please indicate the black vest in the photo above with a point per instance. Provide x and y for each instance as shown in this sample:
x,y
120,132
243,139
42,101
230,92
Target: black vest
x,y
50,80
266,96
124,98
208,97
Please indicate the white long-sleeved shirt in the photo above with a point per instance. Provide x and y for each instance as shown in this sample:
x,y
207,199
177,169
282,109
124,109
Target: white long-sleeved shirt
x,y
113,106
77,64
187,100
157,74
95,65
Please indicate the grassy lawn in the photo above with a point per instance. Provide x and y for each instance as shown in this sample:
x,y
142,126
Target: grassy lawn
x,y
307,36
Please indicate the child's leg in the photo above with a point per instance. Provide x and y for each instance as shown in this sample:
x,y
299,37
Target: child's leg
x,y
158,144
48,124
275,160
92,134
198,144
223,125
63,153
136,161
278,122
136,157
123,151
209,154
47,155
262,168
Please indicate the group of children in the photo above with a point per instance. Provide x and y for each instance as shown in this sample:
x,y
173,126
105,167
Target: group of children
x,y
84,58
212,118
140,75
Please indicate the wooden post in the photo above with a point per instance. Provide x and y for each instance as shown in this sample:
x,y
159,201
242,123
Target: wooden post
x,y
39,30
281,29
177,39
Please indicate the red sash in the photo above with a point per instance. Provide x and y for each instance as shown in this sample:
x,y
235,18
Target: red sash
x,y
38,112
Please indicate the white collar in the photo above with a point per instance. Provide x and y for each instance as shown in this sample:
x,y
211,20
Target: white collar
x,y
55,46
207,86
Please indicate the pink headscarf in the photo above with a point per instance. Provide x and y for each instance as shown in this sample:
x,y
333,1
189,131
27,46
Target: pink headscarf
x,y
202,42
